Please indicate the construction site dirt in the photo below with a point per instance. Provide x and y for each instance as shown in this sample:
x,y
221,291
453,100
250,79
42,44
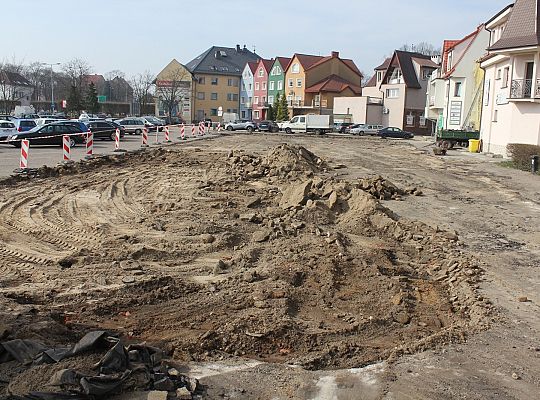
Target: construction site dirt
x,y
280,267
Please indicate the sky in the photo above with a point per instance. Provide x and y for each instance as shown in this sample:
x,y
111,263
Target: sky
x,y
135,36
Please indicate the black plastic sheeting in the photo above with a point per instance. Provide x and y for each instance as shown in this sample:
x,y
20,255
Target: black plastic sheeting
x,y
114,368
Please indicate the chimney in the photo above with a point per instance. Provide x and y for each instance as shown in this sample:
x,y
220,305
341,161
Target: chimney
x,y
245,47
335,54
238,48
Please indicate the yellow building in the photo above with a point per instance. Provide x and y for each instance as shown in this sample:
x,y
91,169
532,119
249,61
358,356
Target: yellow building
x,y
174,91
218,75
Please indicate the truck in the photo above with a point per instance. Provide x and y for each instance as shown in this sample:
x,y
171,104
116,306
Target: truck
x,y
311,123
230,117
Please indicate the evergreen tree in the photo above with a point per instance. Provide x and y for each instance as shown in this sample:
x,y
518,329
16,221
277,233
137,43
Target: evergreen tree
x,y
74,100
276,106
283,109
92,104
270,115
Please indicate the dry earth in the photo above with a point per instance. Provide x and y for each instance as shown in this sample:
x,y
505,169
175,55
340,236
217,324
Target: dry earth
x,y
349,268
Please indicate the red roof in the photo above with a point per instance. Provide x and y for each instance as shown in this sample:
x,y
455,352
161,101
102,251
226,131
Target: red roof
x,y
384,65
284,61
267,64
447,50
347,62
304,59
252,66
335,84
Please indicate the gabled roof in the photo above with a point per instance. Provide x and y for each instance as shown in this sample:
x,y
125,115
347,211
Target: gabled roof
x,y
471,36
222,61
252,66
13,78
334,83
405,61
347,62
283,61
372,81
305,60
267,64
384,65
499,14
95,79
522,27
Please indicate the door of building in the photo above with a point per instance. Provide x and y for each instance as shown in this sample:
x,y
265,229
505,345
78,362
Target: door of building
x,y
529,68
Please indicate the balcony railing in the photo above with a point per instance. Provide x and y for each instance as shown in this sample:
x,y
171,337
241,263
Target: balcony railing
x,y
525,89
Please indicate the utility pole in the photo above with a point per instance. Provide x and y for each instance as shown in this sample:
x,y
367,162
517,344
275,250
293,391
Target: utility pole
x,y
52,84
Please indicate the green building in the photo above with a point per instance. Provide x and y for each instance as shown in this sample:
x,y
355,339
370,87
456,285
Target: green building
x,y
276,79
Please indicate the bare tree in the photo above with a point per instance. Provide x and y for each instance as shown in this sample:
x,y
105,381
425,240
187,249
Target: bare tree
x,y
76,70
115,73
142,86
13,86
422,48
173,89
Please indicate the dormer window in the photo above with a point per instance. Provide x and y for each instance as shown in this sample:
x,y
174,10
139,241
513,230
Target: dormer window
x,y
397,76
379,76
296,68
261,72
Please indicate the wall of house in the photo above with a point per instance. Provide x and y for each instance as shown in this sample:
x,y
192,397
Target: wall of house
x,y
295,92
355,106
260,95
396,106
246,94
276,79
207,108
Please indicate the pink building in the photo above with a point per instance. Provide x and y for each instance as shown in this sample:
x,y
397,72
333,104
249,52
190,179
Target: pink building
x,y
260,91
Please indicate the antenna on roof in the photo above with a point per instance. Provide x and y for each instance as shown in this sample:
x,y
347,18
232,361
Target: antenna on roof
x,y
254,49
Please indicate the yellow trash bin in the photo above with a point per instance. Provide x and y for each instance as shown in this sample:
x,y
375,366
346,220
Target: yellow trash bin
x,y
474,146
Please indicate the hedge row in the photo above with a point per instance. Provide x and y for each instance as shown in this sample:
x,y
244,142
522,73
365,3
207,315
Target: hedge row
x,y
521,154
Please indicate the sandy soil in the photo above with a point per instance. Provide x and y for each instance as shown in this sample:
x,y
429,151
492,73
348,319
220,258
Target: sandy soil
x,y
300,270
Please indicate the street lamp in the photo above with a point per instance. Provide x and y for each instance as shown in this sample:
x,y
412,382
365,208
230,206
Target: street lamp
x,y
52,84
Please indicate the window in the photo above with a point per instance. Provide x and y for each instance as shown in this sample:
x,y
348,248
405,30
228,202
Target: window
x,y
264,86
296,68
457,89
256,114
201,80
410,120
505,77
264,99
235,82
232,97
495,115
213,112
257,87
256,101
422,121
499,74
291,83
243,115
250,87
234,110
425,74
302,119
271,99
299,83
213,96
215,81
229,82
261,72
200,95
392,93
280,85
242,100
272,84
379,76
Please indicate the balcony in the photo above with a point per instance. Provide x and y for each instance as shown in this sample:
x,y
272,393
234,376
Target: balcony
x,y
320,103
525,89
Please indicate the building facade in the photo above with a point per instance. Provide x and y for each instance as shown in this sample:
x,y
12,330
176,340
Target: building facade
x,y
15,90
276,79
174,92
246,91
454,96
511,103
260,91
218,72
401,82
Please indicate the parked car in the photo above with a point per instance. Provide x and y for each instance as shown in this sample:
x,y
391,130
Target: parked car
x,y
364,129
105,129
49,135
134,125
267,126
7,117
7,128
392,132
24,125
81,125
174,121
155,121
46,120
340,127
244,125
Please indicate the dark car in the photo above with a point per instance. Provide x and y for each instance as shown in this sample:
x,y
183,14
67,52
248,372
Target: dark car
x,y
341,127
155,121
49,135
392,132
174,120
81,125
105,129
267,126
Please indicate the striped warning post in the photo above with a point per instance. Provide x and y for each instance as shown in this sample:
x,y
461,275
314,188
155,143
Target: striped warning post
x,y
144,138
89,144
219,127
201,128
66,147
25,150
117,140
157,135
193,130
182,132
207,130
167,138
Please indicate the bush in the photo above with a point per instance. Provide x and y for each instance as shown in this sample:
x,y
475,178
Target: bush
x,y
521,154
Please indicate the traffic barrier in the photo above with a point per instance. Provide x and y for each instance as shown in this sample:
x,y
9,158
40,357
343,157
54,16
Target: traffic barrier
x,y
144,138
207,130
182,132
89,144
167,138
25,150
201,129
193,130
117,141
66,145
157,136
219,127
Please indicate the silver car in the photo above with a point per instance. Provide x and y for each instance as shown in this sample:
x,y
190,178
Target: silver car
x,y
365,129
249,126
135,125
7,128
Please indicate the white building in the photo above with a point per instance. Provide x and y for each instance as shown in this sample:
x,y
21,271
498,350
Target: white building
x,y
14,90
454,95
511,105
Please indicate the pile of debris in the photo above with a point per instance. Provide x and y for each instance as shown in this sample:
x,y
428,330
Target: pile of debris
x,y
121,368
383,189
284,161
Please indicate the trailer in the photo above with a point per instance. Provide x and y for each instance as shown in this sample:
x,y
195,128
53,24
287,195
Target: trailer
x,y
449,138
